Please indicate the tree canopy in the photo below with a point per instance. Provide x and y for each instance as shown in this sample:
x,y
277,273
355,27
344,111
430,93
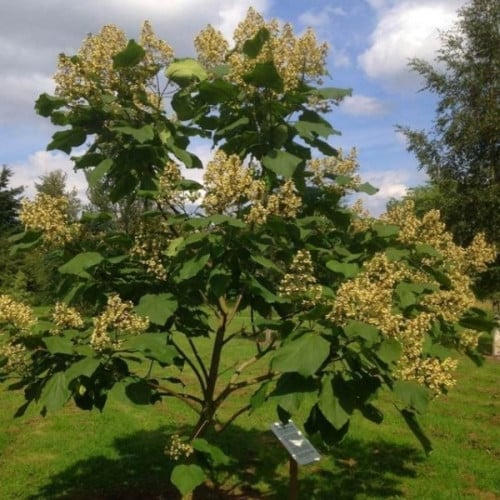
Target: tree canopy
x,y
461,153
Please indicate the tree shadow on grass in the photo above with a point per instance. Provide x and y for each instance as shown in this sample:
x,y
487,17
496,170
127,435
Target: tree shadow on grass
x,y
140,470
367,469
371,469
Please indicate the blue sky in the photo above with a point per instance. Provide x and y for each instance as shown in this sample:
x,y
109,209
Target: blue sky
x,y
370,44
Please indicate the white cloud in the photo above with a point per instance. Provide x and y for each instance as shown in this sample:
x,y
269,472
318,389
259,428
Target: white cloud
x,y
362,105
405,30
18,94
390,184
41,163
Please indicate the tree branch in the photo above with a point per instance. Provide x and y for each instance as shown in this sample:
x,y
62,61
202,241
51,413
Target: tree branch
x,y
188,399
203,383
198,358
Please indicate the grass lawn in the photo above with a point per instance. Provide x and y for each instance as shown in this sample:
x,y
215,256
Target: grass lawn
x,y
118,454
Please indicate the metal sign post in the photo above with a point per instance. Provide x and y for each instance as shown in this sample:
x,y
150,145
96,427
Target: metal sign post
x,y
301,451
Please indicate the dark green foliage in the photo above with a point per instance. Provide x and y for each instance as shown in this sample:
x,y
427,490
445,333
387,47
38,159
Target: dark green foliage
x,y
9,202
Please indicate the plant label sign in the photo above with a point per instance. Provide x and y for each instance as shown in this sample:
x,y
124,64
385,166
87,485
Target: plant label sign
x,y
300,448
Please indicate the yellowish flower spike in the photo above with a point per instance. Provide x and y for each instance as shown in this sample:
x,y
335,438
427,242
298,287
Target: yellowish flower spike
x,y
15,313
49,214
91,72
150,241
117,318
92,68
17,357
322,169
229,185
297,59
211,47
65,316
299,283
177,449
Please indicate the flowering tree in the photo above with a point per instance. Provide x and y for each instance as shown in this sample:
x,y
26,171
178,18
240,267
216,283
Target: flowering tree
x,y
348,305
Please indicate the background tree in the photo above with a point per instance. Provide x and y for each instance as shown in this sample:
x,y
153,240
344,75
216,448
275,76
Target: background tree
x,y
9,202
12,277
54,184
125,214
461,153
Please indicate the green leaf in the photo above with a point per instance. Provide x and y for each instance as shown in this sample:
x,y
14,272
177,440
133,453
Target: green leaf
x,y
240,122
192,267
58,345
46,104
317,422
406,298
281,162
385,230
440,351
157,307
55,392
333,93
139,392
478,323
85,367
367,188
141,135
183,105
257,288
355,329
389,351
217,456
304,355
153,346
189,159
97,173
264,75
66,140
291,391
216,91
372,413
78,264
394,254
265,262
439,276
310,130
423,249
253,46
349,270
330,405
130,56
279,136
187,477
412,422
185,71
413,395
218,219
324,147
218,282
